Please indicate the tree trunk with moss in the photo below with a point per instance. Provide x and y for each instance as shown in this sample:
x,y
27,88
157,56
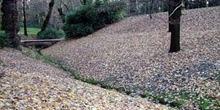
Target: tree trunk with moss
x,y
10,21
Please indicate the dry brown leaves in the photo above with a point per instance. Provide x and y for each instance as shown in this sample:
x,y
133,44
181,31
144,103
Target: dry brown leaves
x,y
134,52
29,84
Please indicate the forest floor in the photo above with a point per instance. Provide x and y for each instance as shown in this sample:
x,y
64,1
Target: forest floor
x,y
133,54
30,84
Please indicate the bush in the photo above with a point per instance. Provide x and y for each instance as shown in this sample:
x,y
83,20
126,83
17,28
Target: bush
x,y
111,12
50,33
89,18
4,40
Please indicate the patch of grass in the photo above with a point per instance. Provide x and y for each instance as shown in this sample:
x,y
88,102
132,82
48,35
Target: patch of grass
x,y
217,105
165,98
184,96
178,100
145,94
218,75
128,91
203,103
176,103
120,89
207,103
29,37
90,81
31,31
106,85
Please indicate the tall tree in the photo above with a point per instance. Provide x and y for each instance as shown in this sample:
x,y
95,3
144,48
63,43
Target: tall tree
x,y
175,24
10,21
60,10
47,19
169,18
24,18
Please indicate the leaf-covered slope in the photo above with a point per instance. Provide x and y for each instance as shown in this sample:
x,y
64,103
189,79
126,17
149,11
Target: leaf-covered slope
x,y
133,53
32,84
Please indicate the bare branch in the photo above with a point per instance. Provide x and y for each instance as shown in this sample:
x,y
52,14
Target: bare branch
x,y
175,9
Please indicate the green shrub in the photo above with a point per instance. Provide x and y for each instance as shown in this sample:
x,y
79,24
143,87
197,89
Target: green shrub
x,y
4,40
81,22
88,18
111,12
50,33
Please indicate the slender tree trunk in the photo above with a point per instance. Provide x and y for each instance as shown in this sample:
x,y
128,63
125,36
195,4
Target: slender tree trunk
x,y
132,6
60,10
151,8
67,8
24,15
10,21
175,30
47,19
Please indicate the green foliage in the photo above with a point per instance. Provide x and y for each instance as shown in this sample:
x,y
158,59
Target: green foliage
x,y
30,23
4,40
204,103
50,33
106,86
145,94
111,12
90,81
86,2
30,30
88,18
128,91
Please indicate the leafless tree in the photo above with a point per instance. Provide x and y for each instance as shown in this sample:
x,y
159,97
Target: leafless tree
x,y
46,21
24,18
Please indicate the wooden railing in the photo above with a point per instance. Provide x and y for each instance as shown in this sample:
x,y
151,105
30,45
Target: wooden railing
x,y
43,42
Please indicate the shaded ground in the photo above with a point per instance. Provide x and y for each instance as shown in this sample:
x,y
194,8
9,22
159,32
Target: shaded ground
x,y
133,53
31,84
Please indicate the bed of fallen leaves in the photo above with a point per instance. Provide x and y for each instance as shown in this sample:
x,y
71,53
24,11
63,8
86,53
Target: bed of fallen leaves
x,y
29,84
133,53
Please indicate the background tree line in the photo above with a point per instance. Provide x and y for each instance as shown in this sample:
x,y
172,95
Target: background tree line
x,y
36,10
40,14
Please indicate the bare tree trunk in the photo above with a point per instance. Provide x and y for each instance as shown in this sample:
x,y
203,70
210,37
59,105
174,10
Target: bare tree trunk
x,y
24,15
47,19
175,26
60,10
10,21
62,15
